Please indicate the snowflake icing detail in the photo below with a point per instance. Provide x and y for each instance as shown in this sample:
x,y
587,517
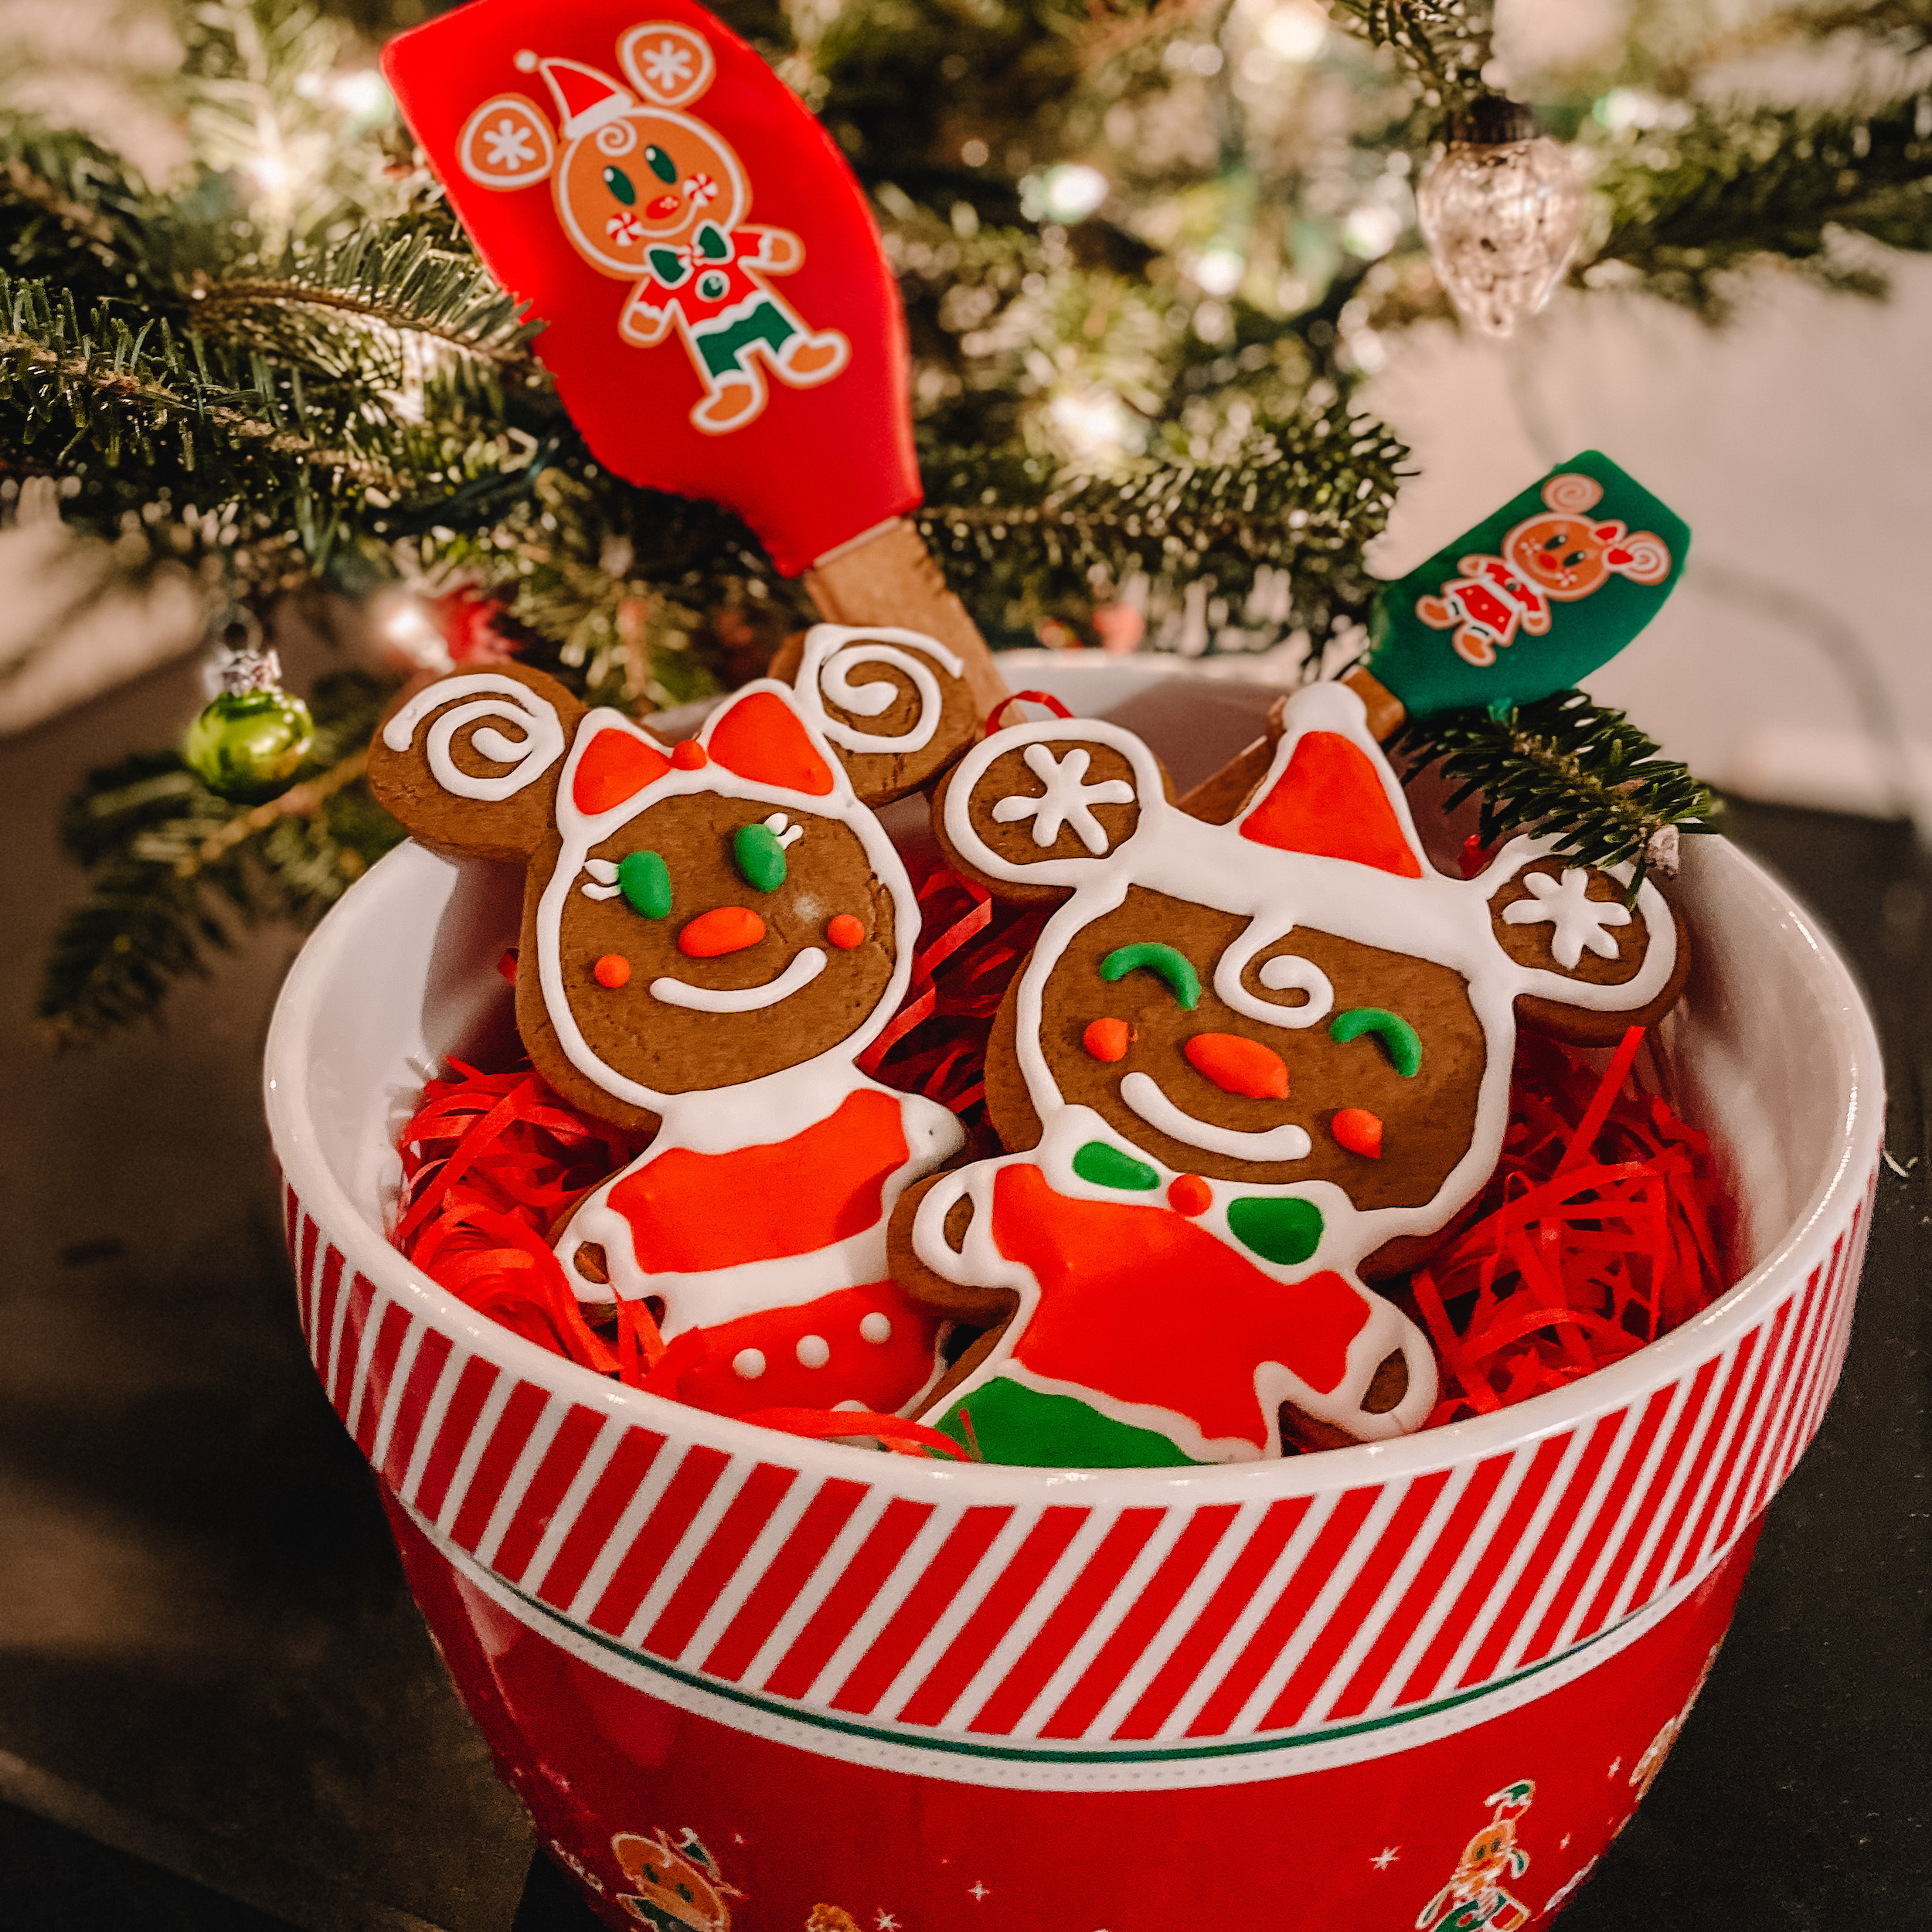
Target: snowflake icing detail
x,y
507,145
1068,800
667,65
1576,921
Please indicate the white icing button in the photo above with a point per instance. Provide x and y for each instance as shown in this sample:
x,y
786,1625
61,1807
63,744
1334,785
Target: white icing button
x,y
876,1327
748,1364
813,1351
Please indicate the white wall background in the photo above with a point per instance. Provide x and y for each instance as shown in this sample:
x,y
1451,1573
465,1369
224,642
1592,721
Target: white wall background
x,y
1793,662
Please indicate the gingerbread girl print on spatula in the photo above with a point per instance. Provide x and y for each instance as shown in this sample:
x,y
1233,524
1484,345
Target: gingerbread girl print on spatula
x,y
712,931
1248,1068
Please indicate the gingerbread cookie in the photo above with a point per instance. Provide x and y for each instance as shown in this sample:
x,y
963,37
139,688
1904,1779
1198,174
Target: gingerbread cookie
x,y
1241,1059
712,932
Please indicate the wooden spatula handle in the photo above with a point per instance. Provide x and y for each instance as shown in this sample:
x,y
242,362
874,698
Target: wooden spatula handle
x,y
888,576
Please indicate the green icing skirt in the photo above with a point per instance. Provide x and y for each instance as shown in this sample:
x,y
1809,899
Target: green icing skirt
x,y
1013,1423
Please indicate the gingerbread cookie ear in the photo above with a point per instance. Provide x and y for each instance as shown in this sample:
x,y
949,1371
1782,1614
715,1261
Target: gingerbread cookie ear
x,y
1592,965
470,761
894,705
1032,810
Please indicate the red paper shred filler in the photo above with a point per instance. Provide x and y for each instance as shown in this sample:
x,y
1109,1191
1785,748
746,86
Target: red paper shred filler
x,y
1603,1228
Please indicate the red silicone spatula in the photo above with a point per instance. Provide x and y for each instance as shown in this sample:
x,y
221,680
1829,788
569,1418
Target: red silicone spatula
x,y
720,318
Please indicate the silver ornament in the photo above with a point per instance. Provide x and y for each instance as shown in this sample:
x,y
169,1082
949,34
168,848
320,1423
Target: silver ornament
x,y
1501,211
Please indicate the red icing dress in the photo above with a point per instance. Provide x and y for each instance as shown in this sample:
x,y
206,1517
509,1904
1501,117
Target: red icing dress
x,y
770,1260
1141,1329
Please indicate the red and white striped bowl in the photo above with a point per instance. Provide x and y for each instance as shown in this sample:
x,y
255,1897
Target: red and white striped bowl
x,y
1093,1700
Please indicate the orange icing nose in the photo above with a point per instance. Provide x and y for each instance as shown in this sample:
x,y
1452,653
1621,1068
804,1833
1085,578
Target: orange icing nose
x,y
664,207
725,929
1239,1065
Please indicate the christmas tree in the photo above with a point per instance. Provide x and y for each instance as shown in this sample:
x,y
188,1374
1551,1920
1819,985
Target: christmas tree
x,y
1148,256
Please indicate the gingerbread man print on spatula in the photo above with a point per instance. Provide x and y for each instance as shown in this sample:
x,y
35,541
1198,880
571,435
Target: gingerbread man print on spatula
x,y
1246,1067
712,931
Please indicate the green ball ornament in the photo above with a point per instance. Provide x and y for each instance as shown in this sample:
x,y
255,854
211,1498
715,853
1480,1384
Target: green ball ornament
x,y
247,746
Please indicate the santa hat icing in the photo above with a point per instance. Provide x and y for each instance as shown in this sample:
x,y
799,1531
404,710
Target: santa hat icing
x,y
1331,794
585,98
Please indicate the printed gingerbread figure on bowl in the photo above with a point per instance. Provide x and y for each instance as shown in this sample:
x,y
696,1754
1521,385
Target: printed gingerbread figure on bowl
x,y
1248,1068
712,931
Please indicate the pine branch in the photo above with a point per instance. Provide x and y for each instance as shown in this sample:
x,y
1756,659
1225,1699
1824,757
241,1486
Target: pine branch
x,y
58,362
408,283
1300,498
52,199
1566,768
1728,190
68,208
1442,44
176,868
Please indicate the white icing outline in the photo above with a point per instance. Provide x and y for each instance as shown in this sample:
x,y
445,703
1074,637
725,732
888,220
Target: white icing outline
x,y
1281,974
528,757
1445,920
1143,1094
832,651
1067,801
770,1109
778,1104
805,967
1576,920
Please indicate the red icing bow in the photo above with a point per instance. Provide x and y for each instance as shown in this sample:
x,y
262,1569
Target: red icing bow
x,y
757,736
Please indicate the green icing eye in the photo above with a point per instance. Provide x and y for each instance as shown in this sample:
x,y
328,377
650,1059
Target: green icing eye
x,y
1398,1037
760,858
1283,1232
1105,1166
645,882
619,184
1175,968
661,165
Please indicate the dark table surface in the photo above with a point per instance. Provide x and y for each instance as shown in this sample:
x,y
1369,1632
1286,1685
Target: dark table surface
x,y
218,1709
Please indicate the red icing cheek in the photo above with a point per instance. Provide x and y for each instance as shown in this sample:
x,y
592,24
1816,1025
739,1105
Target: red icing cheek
x,y
1108,1039
845,932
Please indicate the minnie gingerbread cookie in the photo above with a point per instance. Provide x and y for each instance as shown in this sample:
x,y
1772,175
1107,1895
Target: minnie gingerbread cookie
x,y
1245,1066
712,931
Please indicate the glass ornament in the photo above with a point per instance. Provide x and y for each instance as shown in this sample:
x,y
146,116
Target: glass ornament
x,y
250,741
1501,212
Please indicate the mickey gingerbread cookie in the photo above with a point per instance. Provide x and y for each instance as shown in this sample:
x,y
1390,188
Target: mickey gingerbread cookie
x,y
712,931
1245,1066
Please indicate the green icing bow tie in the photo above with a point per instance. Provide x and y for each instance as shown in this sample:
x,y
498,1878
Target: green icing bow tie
x,y
1283,1230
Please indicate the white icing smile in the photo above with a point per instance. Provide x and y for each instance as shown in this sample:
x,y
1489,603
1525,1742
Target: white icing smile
x,y
800,973
1143,1094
